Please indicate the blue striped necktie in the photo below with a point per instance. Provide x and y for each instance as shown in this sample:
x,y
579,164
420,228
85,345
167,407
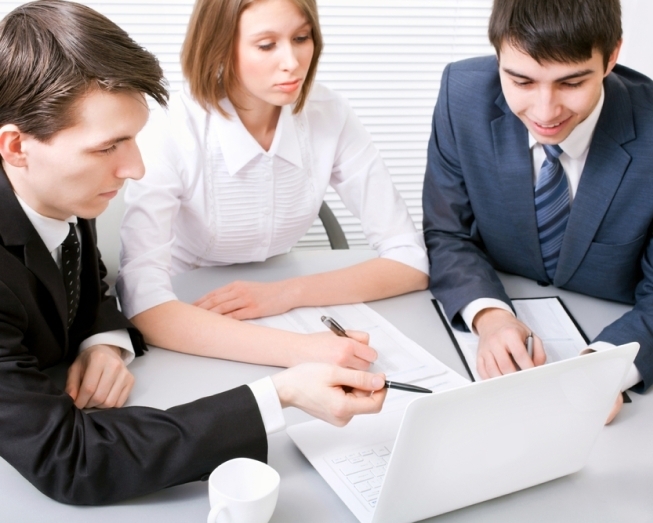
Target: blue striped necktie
x,y
551,207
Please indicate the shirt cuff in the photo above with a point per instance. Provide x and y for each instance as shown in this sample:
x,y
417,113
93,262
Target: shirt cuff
x,y
632,378
119,338
469,311
267,398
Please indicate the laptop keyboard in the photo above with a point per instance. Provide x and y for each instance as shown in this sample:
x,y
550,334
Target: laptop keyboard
x,y
363,471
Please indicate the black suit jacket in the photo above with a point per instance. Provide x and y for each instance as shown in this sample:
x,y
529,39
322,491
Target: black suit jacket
x,y
101,457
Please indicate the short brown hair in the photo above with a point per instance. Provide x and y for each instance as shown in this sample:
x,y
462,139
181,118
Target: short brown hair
x,y
564,31
208,54
53,52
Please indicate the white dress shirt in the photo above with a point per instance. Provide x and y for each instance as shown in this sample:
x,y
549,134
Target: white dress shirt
x,y
213,196
574,154
53,233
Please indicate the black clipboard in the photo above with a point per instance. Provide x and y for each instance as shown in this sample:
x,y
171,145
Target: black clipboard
x,y
444,321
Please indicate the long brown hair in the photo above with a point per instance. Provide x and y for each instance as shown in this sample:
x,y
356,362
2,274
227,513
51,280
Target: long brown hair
x,y
208,54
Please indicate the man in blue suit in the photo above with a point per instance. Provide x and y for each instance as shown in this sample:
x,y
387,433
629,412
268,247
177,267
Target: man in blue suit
x,y
540,164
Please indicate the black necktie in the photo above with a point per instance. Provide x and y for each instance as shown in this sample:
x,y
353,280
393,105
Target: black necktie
x,y
70,267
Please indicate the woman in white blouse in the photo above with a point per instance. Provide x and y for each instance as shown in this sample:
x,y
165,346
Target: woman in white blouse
x,y
236,171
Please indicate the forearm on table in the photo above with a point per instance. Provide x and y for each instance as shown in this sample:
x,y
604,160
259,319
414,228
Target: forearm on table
x,y
185,328
367,281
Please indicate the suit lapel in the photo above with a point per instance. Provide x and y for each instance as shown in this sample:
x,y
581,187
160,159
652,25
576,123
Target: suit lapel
x,y
40,262
515,168
16,230
606,164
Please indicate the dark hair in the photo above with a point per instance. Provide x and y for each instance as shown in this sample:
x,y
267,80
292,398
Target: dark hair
x,y
564,31
209,50
53,52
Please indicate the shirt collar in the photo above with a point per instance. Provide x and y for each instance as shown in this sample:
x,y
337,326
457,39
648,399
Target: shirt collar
x,y
239,147
53,232
578,141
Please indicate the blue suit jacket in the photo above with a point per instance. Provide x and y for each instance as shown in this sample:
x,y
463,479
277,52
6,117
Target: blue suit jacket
x,y
479,213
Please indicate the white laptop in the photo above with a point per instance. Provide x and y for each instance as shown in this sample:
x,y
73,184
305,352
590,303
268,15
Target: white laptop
x,y
458,447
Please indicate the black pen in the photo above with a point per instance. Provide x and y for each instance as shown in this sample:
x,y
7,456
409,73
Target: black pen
x,y
406,386
335,327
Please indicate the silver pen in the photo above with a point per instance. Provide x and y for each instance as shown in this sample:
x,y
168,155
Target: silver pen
x,y
334,326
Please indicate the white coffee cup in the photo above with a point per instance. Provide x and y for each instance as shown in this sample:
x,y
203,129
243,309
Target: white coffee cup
x,y
243,490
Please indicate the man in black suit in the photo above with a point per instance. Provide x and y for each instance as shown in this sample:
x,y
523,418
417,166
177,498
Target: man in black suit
x,y
71,103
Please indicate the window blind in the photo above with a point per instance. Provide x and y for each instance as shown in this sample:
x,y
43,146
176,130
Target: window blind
x,y
387,59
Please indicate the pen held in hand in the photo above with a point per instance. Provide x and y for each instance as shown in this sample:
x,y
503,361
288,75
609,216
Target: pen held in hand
x,y
335,327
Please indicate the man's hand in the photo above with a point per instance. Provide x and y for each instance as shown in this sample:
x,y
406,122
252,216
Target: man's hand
x,y
352,352
244,300
617,404
329,392
502,344
99,378
615,409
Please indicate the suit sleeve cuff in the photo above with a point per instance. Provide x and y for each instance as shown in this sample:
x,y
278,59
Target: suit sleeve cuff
x,y
119,338
469,311
632,378
267,398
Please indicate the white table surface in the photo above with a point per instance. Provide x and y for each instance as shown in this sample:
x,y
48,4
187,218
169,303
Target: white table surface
x,y
615,486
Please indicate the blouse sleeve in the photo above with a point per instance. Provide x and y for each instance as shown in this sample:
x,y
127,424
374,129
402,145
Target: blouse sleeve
x,y
146,233
362,180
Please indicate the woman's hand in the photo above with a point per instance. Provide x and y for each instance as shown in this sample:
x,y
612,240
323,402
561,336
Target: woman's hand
x,y
244,300
352,352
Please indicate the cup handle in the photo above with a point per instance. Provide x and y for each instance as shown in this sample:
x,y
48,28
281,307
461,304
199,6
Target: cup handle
x,y
213,515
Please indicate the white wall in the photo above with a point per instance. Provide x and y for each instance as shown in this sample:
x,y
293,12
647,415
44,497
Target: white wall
x,y
637,50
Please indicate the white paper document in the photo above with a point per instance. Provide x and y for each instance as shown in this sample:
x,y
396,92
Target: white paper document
x,y
546,317
399,357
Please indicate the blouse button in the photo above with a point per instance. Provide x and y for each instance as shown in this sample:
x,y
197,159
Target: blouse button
x,y
266,210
